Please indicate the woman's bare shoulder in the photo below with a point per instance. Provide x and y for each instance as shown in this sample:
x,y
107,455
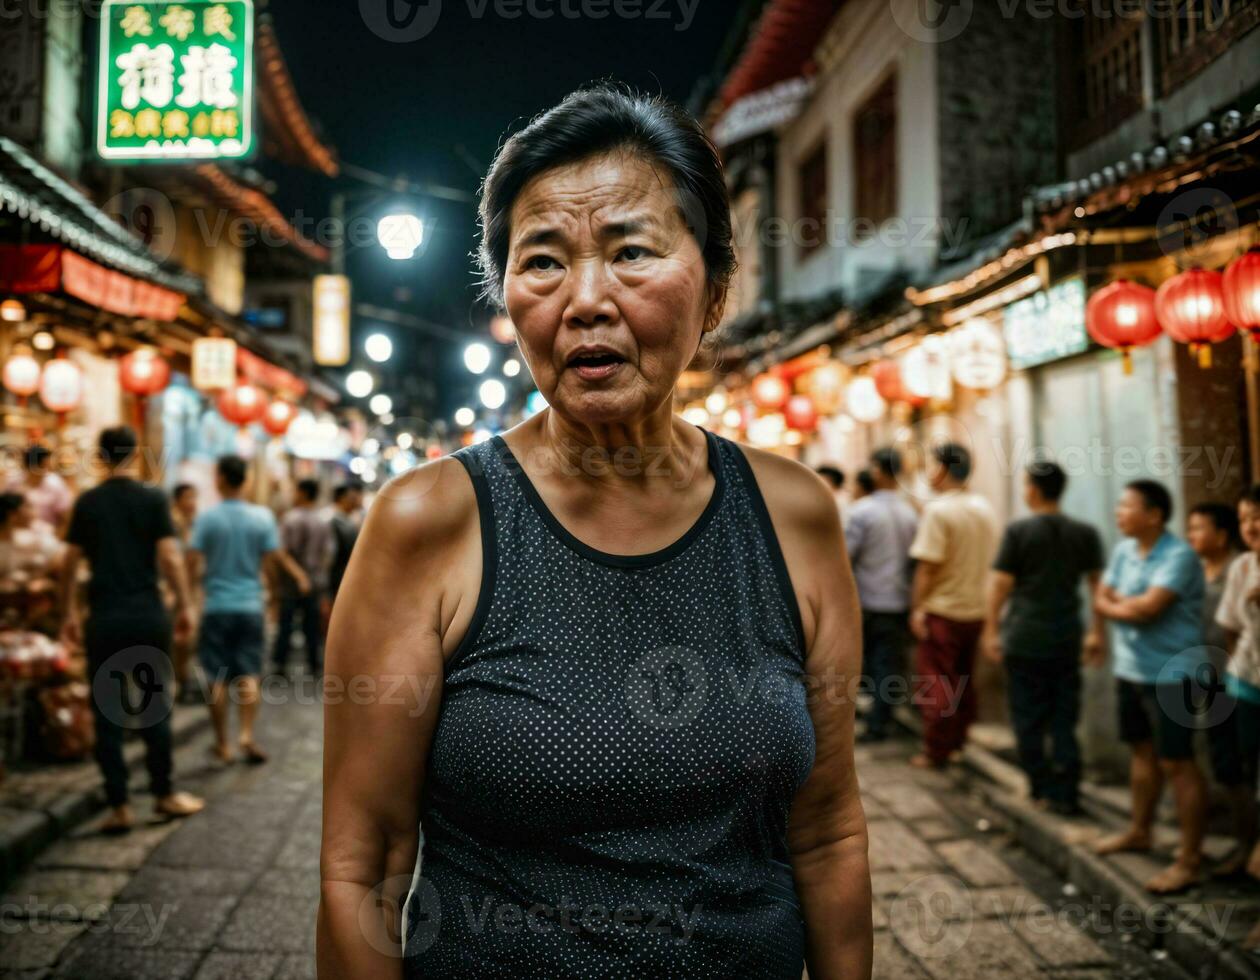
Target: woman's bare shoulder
x,y
795,495
421,513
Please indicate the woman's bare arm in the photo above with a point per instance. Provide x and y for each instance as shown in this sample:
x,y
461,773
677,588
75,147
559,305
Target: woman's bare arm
x,y
407,595
827,833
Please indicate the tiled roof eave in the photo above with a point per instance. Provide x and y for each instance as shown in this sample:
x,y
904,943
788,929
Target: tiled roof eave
x,y
37,194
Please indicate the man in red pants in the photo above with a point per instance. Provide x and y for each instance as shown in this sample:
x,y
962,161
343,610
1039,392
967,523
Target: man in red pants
x,y
954,547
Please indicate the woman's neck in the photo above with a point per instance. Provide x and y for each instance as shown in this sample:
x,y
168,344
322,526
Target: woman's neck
x,y
624,453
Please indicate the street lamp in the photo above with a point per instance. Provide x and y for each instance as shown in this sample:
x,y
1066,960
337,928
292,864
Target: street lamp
x,y
381,404
465,416
400,235
492,393
359,384
378,347
476,357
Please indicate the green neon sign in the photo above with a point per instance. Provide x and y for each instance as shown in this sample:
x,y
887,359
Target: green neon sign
x,y
176,80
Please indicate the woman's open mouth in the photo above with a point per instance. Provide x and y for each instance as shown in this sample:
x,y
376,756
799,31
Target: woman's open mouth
x,y
596,365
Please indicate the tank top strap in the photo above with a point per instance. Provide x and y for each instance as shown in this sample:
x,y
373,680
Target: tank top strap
x,y
748,508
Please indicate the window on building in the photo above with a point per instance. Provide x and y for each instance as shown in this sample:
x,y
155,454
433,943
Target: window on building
x,y
1197,33
1107,74
811,178
875,157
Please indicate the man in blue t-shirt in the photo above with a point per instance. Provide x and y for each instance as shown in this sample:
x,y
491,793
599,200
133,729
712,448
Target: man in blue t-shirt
x,y
1153,594
230,542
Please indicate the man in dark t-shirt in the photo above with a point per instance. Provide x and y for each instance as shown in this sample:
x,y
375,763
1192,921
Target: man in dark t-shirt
x,y
1034,625
124,531
347,500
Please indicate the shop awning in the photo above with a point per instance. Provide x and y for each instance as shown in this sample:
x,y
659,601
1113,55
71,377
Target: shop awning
x,y
38,195
53,268
261,372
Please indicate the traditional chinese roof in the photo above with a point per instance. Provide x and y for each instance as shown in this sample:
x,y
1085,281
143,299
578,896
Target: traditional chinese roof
x,y
230,193
288,134
1123,204
39,195
1223,143
778,48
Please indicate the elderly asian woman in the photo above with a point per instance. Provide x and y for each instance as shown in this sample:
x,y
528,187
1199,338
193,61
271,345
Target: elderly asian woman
x,y
603,659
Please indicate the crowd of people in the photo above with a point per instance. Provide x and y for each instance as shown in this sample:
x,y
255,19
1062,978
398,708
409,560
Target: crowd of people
x,y
1177,618
177,597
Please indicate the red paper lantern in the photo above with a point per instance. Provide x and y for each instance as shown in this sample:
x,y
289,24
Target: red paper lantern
x,y
1191,309
143,372
279,416
1240,291
887,377
61,385
770,391
21,374
800,413
1122,316
242,404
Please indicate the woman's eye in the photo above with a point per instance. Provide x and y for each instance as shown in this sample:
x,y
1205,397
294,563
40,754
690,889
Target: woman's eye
x,y
541,262
632,253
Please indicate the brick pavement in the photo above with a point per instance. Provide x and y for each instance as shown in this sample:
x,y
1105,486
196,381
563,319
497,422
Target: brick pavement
x,y
232,892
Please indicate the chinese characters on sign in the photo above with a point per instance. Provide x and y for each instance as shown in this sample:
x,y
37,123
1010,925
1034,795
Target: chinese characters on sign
x,y
213,363
1047,325
176,80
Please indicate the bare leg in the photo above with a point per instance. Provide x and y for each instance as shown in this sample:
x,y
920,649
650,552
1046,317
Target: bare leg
x,y
1190,794
1146,783
1242,808
219,715
247,691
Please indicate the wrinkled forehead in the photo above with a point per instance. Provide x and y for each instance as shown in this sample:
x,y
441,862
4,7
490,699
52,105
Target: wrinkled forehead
x,y
613,193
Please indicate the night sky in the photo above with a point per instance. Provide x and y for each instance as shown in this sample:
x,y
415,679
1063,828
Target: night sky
x,y
435,108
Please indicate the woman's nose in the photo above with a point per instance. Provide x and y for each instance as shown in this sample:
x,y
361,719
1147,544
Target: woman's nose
x,y
590,299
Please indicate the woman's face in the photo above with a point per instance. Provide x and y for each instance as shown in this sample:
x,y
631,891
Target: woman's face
x,y
599,256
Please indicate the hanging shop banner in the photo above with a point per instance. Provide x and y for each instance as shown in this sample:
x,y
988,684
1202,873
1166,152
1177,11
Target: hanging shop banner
x,y
213,363
176,80
47,268
1047,325
332,320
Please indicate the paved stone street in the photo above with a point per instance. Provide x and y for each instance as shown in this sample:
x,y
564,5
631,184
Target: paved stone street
x,y
231,893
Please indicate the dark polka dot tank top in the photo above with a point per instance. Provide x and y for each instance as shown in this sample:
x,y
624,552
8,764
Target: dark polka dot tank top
x,y
618,747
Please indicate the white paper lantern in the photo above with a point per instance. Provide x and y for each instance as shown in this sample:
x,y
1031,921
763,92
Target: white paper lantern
x,y
864,401
766,431
977,355
925,370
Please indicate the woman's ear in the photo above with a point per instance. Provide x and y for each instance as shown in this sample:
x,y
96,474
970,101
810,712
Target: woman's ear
x,y
713,316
